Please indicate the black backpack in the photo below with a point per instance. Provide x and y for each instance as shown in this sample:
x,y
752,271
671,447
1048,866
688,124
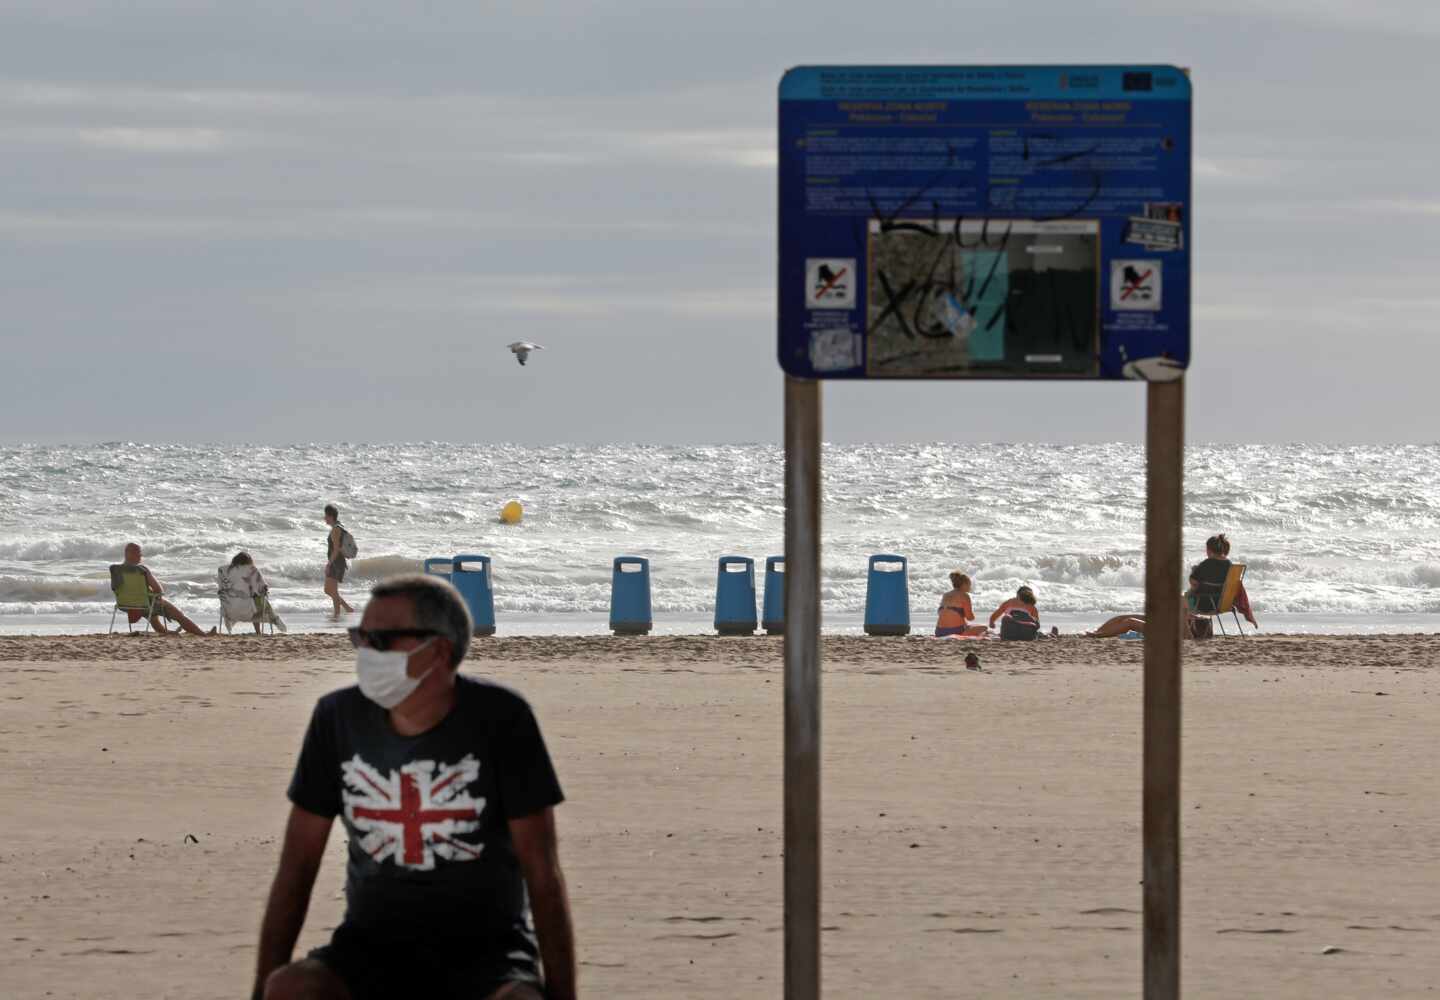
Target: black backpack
x,y
1018,624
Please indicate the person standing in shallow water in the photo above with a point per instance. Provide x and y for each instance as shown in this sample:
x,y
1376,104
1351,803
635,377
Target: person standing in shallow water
x,y
335,562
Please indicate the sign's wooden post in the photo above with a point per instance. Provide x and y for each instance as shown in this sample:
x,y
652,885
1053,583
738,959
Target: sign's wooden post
x,y
802,689
1165,468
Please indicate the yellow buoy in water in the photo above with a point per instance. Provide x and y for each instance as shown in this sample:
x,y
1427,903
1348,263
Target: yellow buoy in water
x,y
512,512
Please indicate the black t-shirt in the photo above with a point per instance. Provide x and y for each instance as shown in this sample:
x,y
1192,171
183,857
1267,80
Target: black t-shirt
x,y
429,845
1209,576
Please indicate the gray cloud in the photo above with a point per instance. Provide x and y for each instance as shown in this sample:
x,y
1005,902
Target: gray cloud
x,y
323,225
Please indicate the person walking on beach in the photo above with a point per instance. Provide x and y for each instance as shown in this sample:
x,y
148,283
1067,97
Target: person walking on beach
x,y
163,608
447,795
339,549
955,611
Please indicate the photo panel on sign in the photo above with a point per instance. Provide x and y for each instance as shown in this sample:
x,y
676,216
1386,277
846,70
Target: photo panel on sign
x,y
984,222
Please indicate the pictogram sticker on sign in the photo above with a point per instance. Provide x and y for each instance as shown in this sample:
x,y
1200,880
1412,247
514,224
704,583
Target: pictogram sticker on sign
x,y
830,282
1135,285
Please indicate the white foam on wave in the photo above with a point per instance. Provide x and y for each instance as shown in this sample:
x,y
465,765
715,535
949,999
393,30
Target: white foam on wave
x,y
60,549
1342,530
379,567
35,590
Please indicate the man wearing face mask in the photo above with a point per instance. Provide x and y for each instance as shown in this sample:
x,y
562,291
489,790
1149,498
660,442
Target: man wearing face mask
x,y
447,794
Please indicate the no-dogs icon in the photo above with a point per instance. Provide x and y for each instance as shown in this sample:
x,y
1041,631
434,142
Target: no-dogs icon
x,y
830,283
1135,285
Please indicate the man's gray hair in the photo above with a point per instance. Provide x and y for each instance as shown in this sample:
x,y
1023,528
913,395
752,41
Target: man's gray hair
x,y
438,608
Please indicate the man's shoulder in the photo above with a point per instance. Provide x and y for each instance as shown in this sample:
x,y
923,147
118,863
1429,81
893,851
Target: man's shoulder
x,y
341,701
489,696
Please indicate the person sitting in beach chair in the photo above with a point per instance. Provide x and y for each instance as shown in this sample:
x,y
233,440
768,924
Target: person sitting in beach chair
x,y
1242,599
1207,578
138,594
244,596
1215,589
955,611
1227,604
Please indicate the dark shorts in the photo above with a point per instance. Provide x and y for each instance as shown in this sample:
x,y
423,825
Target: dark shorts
x,y
336,568
380,968
941,633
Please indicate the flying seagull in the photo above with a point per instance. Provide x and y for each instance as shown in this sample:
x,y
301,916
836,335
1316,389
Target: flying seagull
x,y
522,349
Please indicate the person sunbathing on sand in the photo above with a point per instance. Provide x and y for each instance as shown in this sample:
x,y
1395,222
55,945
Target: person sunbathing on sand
x,y
1019,617
163,608
955,611
1207,579
1118,625
1024,600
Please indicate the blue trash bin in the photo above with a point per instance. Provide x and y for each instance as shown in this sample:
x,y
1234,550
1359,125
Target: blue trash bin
x,y
773,619
471,576
735,596
887,596
630,596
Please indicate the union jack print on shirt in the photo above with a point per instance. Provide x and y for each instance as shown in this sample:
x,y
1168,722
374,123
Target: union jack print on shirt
x,y
414,815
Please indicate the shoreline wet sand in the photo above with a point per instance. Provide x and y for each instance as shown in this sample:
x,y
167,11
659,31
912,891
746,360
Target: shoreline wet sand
x,y
981,829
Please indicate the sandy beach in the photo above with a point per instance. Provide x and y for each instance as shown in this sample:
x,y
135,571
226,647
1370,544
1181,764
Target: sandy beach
x,y
981,829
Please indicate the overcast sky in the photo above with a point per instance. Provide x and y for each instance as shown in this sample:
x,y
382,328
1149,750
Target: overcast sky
x,y
284,222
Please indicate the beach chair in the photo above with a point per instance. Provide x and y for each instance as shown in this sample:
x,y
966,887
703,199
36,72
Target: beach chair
x,y
1215,608
132,594
238,604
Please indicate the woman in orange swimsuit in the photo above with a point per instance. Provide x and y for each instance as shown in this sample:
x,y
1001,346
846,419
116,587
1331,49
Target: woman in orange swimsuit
x,y
955,611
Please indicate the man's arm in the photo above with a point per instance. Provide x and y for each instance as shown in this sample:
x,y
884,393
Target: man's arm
x,y
152,583
535,847
305,837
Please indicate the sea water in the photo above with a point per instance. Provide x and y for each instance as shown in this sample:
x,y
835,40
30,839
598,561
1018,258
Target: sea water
x,y
1335,538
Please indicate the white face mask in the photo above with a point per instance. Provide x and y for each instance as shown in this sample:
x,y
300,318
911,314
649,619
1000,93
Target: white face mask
x,y
382,674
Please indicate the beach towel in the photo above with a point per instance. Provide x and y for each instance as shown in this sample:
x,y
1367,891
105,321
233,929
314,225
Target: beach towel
x,y
1242,605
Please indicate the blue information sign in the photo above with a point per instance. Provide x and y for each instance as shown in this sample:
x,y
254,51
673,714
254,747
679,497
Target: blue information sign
x,y
985,222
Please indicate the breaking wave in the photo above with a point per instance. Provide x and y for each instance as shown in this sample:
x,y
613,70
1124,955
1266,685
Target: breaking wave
x,y
1322,530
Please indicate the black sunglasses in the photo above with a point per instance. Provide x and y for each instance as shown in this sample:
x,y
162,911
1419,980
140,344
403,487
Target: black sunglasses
x,y
383,638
